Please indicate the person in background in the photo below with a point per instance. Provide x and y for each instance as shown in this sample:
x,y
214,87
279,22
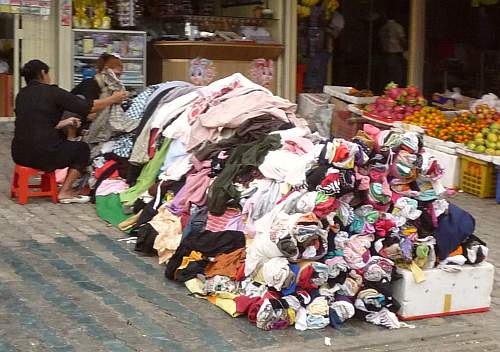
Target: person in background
x,y
89,88
38,138
393,43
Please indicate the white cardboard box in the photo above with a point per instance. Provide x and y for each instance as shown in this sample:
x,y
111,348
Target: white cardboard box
x,y
341,93
444,293
451,165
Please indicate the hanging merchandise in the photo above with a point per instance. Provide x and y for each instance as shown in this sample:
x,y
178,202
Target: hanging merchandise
x,y
127,13
90,14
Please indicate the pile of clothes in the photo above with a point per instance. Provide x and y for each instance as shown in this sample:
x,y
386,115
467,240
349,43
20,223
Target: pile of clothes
x,y
257,215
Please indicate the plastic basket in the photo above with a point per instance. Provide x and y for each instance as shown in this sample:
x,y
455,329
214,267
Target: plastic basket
x,y
478,177
308,103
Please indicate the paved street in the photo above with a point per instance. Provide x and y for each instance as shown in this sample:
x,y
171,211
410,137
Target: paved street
x,y
66,284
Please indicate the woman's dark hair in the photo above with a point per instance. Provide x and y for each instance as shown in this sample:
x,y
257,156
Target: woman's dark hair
x,y
33,69
104,60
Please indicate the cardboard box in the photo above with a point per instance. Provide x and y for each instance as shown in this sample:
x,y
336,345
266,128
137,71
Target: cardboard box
x,y
6,95
450,161
444,293
444,102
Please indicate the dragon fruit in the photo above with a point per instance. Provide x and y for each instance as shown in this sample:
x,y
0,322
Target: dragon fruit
x,y
397,102
412,91
371,107
394,93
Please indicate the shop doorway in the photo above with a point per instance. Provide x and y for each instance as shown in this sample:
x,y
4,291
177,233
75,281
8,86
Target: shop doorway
x,y
6,65
462,47
351,50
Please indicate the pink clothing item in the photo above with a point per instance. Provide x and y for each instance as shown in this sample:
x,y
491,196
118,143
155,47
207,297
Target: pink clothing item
x,y
377,206
395,197
110,186
371,130
383,226
432,213
367,229
232,112
202,104
61,175
219,223
195,189
364,181
236,224
218,91
298,145
381,177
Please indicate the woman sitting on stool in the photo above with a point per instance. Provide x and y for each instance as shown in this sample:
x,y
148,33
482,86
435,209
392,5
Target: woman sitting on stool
x,y
39,141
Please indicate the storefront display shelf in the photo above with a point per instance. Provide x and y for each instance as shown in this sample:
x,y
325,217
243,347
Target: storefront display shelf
x,y
117,31
212,18
84,57
89,44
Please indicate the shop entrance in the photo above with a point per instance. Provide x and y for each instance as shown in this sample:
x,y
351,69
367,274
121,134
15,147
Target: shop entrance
x,y
6,65
349,47
462,47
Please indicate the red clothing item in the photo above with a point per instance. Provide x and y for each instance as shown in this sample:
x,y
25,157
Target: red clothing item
x,y
184,219
383,226
99,171
243,303
305,277
255,307
341,154
152,142
323,209
240,275
330,178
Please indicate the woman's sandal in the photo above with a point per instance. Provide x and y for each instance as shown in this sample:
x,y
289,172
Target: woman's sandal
x,y
77,199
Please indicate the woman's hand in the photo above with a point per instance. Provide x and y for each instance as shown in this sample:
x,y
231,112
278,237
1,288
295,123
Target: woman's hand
x,y
69,122
115,98
119,97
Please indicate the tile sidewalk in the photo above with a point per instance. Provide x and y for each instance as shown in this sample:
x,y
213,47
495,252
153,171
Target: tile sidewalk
x,y
66,284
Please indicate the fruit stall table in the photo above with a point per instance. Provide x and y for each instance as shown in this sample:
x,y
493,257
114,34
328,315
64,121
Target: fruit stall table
x,y
345,124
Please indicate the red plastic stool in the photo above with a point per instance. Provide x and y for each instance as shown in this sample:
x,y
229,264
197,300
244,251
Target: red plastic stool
x,y
21,186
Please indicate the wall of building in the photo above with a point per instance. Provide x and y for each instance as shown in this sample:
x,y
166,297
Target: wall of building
x,y
39,39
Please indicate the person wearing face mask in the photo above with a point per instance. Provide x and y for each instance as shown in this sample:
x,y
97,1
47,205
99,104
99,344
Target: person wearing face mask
x,y
39,141
91,89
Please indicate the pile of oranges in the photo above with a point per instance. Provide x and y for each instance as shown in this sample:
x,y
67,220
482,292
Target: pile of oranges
x,y
460,129
428,118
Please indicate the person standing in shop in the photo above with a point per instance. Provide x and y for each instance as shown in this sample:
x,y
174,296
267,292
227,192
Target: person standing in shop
x,y
393,43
